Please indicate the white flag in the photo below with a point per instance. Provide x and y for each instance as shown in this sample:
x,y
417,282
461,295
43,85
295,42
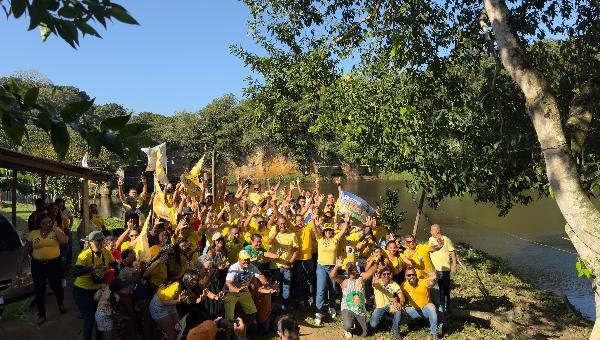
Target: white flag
x,y
84,161
151,153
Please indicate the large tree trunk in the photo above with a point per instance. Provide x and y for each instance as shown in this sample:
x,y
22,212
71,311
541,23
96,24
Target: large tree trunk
x,y
582,217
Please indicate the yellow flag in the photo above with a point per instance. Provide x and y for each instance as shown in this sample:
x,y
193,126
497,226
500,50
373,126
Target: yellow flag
x,y
160,208
142,248
196,169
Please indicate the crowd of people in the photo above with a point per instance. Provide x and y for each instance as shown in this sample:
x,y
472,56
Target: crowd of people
x,y
237,264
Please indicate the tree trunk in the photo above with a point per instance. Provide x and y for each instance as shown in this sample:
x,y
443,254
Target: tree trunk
x,y
579,212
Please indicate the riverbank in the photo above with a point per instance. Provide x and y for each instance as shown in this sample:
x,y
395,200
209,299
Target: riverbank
x,y
490,302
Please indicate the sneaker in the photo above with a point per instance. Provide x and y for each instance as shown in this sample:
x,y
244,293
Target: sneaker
x,y
318,317
332,312
347,334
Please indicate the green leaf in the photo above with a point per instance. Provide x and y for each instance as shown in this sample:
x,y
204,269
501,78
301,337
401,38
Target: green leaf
x,y
121,14
44,31
87,29
74,110
13,125
18,7
114,123
31,96
111,142
36,14
60,137
133,129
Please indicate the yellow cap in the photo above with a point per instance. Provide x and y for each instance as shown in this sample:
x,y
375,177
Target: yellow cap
x,y
244,255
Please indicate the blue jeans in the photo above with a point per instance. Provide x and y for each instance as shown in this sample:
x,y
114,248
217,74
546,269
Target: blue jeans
x,y
325,285
264,327
304,272
428,312
84,299
283,275
379,313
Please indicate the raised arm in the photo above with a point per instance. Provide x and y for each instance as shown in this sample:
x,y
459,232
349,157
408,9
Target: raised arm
x,y
144,193
338,183
333,274
120,193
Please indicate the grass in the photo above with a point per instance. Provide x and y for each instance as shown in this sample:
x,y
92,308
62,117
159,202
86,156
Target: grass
x,y
510,308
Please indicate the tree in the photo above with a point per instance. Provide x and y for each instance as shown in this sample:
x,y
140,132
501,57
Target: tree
x,y
21,106
67,19
483,95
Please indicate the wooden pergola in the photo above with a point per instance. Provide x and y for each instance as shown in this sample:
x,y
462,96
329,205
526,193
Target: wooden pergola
x,y
17,161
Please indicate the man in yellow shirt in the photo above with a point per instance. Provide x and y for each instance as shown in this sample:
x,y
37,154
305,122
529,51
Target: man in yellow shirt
x,y
442,251
418,301
283,242
388,300
304,267
417,257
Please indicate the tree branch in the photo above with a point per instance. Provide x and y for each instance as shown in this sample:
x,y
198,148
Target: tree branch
x,y
343,37
491,49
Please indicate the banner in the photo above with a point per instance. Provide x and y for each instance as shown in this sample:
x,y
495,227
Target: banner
x,y
142,248
152,156
160,208
356,207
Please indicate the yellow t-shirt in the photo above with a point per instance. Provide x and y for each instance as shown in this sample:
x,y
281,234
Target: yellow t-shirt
x,y
125,245
396,263
85,259
327,250
44,248
264,233
192,239
169,292
284,243
417,296
305,238
422,261
441,258
384,295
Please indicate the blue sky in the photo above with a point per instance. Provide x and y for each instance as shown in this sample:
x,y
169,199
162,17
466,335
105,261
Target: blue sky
x,y
177,59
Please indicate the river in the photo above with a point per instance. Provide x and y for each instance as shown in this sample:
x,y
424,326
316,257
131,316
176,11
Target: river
x,y
530,238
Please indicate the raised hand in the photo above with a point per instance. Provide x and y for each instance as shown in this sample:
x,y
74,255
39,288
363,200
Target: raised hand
x,y
120,181
339,261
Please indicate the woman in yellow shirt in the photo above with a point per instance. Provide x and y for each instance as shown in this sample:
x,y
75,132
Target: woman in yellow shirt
x,y
43,246
327,249
168,295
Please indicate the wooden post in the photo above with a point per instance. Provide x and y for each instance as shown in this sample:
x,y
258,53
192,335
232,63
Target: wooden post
x,y
43,188
419,211
85,211
213,175
13,191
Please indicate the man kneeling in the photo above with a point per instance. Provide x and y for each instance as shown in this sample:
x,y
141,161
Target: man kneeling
x,y
238,279
418,302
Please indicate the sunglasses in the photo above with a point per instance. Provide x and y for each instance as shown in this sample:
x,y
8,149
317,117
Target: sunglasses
x,y
134,235
410,241
256,189
410,275
386,274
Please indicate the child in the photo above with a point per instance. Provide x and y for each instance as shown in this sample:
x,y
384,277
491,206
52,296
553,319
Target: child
x,y
108,299
129,277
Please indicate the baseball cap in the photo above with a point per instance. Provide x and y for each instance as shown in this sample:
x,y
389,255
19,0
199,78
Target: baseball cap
x,y
95,236
244,255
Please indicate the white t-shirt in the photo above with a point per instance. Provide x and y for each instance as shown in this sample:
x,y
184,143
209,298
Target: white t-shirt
x,y
240,276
